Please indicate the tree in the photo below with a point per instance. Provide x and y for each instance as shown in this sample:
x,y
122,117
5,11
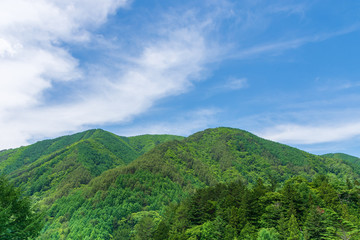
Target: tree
x,y
162,231
337,227
294,232
248,232
282,226
315,225
268,234
18,218
144,228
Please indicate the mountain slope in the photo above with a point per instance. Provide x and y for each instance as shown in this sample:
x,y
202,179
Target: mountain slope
x,y
115,203
50,169
344,157
12,159
353,162
223,154
299,209
129,149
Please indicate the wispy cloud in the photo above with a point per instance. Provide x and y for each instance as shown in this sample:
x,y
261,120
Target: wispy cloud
x,y
236,83
311,134
130,71
279,47
33,59
165,65
184,125
289,9
334,85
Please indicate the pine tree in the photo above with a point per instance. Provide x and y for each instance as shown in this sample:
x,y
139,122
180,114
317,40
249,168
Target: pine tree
x,y
248,232
315,223
337,227
162,231
255,207
282,226
144,228
268,234
294,232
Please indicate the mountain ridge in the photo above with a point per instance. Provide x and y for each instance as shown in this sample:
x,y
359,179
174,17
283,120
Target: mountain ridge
x,y
103,184
50,169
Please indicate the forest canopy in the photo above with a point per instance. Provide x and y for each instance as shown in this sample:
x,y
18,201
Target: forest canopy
x,y
298,210
19,219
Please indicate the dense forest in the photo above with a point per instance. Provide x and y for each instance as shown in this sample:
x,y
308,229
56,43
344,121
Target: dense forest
x,y
220,183
299,209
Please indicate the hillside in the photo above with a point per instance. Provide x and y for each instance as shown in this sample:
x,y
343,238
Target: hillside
x,y
299,209
353,162
224,154
345,157
116,203
52,168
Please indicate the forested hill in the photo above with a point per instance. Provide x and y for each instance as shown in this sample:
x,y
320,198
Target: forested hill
x,y
352,160
54,167
97,185
225,154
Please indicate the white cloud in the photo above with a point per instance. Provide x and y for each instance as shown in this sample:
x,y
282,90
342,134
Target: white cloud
x,y
184,125
278,47
41,20
164,67
34,59
298,9
311,134
31,58
334,85
236,83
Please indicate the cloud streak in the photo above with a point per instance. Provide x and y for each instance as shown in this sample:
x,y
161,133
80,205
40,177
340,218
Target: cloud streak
x,y
236,83
281,46
306,134
184,125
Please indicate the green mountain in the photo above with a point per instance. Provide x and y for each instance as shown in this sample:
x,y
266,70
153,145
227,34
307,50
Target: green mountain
x,y
352,161
345,157
96,185
225,154
50,169
300,209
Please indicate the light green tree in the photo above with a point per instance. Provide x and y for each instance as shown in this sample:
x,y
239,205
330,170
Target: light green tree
x,y
268,234
18,219
294,232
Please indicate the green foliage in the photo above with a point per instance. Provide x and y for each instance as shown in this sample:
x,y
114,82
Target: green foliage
x,y
294,232
128,208
268,234
18,218
224,154
145,143
353,162
220,183
344,157
258,212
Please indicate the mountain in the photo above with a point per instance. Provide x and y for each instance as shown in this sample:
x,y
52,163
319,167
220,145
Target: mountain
x,y
96,185
344,157
51,168
223,154
299,209
352,161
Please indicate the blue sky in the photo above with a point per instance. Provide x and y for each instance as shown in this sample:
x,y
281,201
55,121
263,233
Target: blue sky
x,y
285,70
